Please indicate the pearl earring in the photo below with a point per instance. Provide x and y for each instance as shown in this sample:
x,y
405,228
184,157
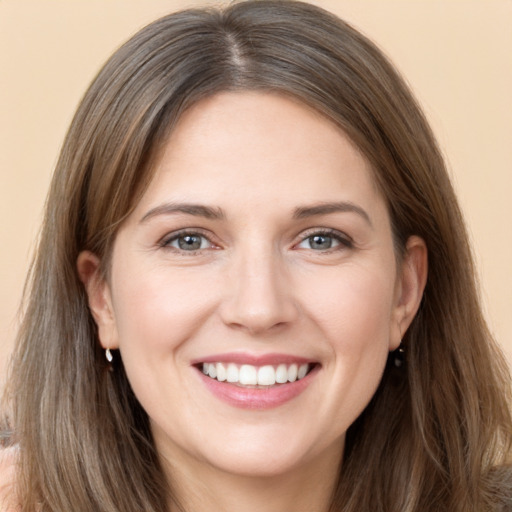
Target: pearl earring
x,y
399,358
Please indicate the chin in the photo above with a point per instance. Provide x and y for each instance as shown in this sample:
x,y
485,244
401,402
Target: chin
x,y
258,465
270,454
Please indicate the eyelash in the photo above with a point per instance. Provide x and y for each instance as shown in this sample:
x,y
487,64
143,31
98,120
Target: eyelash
x,y
166,242
343,241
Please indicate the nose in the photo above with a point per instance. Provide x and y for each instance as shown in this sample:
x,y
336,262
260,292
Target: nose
x,y
260,295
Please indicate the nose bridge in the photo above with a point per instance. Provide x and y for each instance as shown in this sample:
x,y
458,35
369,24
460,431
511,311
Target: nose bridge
x,y
260,295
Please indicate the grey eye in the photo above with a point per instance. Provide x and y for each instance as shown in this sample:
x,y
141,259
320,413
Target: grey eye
x,y
320,242
189,242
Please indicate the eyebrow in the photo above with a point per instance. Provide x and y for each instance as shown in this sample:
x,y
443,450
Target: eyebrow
x,y
198,210
327,208
208,212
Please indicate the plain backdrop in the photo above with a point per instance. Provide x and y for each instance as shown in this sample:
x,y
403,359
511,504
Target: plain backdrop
x,y
456,55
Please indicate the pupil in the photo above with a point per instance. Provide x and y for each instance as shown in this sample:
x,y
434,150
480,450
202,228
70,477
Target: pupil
x,y
320,242
189,242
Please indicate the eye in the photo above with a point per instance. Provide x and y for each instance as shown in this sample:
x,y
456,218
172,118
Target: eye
x,y
324,241
189,242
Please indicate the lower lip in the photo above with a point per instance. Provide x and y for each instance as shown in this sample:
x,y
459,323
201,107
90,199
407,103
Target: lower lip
x,y
257,398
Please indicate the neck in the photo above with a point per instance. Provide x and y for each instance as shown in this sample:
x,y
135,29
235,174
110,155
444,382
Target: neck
x,y
210,489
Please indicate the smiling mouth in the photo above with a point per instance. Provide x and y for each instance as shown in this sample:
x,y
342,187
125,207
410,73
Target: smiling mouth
x,y
247,375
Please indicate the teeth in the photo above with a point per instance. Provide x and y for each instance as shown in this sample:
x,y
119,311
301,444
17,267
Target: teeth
x,y
303,369
221,372
266,376
232,373
249,375
212,371
282,374
292,373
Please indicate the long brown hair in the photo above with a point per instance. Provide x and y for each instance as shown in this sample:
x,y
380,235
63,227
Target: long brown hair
x,y
436,436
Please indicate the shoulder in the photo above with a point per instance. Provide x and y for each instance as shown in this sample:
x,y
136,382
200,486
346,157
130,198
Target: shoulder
x,y
7,478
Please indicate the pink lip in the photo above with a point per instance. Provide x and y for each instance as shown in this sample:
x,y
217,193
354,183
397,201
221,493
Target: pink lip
x,y
257,398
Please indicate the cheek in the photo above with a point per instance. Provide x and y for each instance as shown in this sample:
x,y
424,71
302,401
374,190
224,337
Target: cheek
x,y
353,307
355,318
157,313
158,310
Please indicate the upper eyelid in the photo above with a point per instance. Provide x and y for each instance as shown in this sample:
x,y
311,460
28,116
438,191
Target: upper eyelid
x,y
325,231
169,237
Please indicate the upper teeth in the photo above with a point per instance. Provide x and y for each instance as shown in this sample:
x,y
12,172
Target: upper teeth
x,y
248,374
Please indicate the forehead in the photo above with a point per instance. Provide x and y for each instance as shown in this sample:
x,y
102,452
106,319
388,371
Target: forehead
x,y
250,147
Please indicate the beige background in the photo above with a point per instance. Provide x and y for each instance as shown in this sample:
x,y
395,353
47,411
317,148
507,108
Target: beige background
x,y
456,54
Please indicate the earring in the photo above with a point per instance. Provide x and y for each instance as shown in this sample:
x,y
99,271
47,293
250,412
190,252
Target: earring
x,y
399,356
109,355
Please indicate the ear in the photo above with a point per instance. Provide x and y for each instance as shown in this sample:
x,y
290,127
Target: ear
x,y
100,300
411,280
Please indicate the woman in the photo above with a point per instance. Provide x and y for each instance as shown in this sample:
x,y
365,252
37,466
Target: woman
x,y
231,305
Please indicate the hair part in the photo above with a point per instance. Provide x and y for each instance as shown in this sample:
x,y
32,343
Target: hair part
x,y
436,435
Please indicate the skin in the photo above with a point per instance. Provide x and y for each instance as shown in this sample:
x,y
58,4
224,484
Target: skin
x,y
257,285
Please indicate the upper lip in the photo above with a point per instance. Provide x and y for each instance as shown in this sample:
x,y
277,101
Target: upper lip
x,y
253,359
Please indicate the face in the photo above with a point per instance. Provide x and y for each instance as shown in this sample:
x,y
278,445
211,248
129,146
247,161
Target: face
x,y
254,292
